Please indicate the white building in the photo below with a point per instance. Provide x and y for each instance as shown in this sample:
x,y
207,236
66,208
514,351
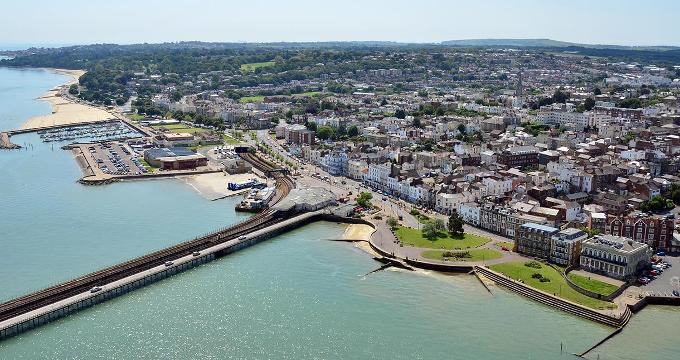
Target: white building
x,y
357,169
614,256
448,203
470,212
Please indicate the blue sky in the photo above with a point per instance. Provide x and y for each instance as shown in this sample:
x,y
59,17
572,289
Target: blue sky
x,y
625,22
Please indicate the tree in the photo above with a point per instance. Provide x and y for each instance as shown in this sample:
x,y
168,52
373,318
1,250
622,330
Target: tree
x,y
674,193
461,128
73,89
455,225
416,122
656,204
325,132
597,91
400,114
589,104
630,104
392,222
311,125
353,131
364,199
560,96
439,224
429,231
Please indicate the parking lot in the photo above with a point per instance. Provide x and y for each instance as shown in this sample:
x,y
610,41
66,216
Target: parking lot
x,y
667,281
114,158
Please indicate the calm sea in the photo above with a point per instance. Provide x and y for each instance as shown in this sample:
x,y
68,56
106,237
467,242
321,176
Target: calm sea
x,y
297,296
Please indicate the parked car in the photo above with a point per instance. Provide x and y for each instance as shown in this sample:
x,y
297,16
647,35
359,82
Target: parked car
x,y
676,293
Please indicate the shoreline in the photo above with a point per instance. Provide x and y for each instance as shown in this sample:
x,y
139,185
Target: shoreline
x,y
64,111
360,234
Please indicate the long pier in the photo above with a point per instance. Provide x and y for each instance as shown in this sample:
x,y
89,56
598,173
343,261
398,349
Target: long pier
x,y
32,310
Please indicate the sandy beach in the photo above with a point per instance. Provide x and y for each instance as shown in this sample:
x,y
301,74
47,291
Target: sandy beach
x,y
64,111
214,185
360,232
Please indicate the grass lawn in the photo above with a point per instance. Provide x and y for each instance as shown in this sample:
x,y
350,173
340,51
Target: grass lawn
x,y
475,255
251,99
557,285
593,285
308,94
414,237
181,128
136,117
148,167
254,66
230,140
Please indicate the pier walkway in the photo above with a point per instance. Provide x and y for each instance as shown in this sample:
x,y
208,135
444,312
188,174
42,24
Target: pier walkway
x,y
24,318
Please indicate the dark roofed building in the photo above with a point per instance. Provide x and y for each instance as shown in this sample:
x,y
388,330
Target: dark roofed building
x,y
174,158
519,156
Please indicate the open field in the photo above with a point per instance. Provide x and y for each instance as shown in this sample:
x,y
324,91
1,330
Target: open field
x,y
593,285
230,140
414,237
181,128
254,66
556,285
475,255
251,99
136,117
307,94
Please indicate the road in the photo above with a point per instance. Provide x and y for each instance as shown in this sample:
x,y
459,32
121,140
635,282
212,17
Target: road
x,y
342,186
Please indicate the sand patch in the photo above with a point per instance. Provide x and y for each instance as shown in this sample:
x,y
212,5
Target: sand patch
x,y
214,185
64,111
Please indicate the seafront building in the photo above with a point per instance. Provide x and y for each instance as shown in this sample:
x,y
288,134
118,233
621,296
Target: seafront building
x,y
614,256
535,240
565,246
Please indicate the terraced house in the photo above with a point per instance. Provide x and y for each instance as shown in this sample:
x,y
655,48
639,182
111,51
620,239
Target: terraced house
x,y
653,230
534,239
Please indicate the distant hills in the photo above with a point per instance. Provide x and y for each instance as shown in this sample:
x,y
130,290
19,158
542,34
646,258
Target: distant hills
x,y
547,43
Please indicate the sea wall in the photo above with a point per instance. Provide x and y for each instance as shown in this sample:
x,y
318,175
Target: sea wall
x,y
554,301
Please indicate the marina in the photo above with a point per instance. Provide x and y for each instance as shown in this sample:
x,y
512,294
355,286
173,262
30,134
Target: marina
x,y
105,131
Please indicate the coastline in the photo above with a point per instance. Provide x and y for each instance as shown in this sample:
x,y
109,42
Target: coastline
x,y
360,234
65,111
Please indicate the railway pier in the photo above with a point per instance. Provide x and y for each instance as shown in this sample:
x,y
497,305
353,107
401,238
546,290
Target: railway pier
x,y
105,291
288,209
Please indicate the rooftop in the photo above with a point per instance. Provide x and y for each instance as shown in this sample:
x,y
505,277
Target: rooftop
x,y
616,242
539,227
